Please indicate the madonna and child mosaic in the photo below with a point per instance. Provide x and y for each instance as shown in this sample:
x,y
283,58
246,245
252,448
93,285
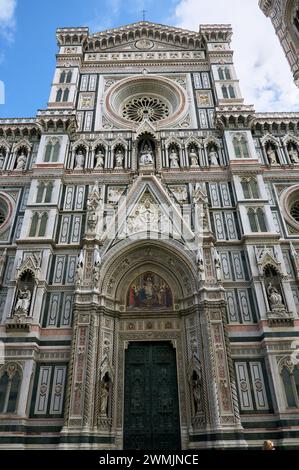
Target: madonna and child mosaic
x,y
149,291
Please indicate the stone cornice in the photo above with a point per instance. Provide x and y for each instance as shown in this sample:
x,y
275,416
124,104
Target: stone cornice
x,y
144,31
57,118
216,32
266,6
71,36
236,116
17,127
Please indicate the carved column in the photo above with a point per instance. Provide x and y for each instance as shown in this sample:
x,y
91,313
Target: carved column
x,y
224,408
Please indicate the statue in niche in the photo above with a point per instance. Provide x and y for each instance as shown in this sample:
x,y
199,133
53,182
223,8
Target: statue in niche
x,y
275,298
97,266
80,159
119,159
80,269
217,264
2,159
196,391
293,154
272,155
146,156
99,159
23,302
213,157
104,395
21,161
199,262
174,159
193,157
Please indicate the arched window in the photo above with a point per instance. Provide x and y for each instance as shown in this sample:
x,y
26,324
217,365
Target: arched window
x,y
261,220
62,77
252,220
66,94
232,93
291,386
34,223
257,220
250,188
224,92
69,76
52,151
49,190
40,193
59,95
240,146
38,225
9,391
221,73
227,73
43,225
44,192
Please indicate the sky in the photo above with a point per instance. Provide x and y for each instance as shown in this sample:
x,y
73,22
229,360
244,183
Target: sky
x,y
28,45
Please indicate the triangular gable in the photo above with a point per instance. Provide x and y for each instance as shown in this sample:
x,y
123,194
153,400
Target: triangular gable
x,y
146,212
145,35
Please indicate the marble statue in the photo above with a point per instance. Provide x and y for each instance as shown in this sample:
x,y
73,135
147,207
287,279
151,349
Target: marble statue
x,y
193,157
213,157
275,298
119,159
80,269
80,159
272,156
146,156
23,302
174,159
294,155
217,264
99,159
21,161
196,390
104,397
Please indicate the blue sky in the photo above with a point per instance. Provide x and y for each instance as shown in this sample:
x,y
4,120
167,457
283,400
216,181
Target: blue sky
x,y
28,44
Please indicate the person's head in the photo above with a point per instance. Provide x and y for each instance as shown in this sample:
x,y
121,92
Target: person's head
x,y
268,445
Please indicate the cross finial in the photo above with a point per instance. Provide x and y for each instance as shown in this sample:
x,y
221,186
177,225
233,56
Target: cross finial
x,y
143,14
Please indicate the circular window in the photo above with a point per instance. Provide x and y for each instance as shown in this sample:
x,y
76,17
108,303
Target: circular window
x,y
134,99
289,200
5,211
294,211
148,107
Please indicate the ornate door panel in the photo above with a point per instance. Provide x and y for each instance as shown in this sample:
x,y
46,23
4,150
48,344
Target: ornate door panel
x,y
151,417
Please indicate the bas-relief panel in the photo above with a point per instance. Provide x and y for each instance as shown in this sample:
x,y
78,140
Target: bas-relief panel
x,y
149,292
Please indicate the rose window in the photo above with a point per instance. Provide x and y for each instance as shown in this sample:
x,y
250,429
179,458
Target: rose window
x,y
295,211
3,211
137,109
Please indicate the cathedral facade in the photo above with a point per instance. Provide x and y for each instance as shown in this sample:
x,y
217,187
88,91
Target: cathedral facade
x,y
284,15
149,231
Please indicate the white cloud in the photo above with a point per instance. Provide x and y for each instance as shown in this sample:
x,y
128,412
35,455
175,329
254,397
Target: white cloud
x,y
265,76
7,18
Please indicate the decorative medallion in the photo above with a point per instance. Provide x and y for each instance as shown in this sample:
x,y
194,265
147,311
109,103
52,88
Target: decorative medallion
x,y
144,44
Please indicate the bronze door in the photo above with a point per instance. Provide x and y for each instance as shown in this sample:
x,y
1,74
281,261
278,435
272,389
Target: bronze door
x,y
151,414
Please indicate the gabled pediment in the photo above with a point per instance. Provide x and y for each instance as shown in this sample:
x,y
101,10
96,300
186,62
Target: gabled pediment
x,y
144,35
147,213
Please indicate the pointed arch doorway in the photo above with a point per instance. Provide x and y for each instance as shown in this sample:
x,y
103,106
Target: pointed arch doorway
x,y
151,406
